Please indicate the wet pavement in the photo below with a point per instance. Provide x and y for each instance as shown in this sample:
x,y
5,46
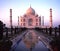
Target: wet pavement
x,y
30,42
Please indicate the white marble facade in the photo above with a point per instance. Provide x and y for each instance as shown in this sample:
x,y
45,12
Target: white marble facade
x,y
30,19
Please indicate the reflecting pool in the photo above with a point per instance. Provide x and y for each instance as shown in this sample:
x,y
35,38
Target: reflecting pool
x,y
30,42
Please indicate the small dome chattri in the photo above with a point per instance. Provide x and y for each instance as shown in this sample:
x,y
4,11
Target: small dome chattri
x,y
30,11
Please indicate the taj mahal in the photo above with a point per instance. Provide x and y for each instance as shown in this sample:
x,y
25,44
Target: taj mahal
x,y
31,20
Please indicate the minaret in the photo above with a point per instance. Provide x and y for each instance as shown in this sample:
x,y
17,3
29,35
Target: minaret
x,y
42,20
10,17
50,17
18,20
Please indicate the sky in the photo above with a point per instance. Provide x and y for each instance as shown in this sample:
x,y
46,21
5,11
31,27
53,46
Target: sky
x,y
19,8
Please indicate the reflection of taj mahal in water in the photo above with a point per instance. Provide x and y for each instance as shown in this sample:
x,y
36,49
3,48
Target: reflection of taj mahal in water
x,y
31,20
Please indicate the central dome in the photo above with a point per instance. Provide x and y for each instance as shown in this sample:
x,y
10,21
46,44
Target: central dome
x,y
30,11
